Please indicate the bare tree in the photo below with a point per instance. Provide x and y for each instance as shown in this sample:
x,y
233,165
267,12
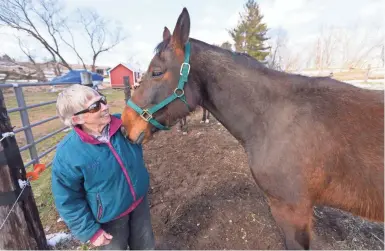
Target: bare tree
x,y
40,76
325,48
281,56
101,38
43,21
100,35
346,48
362,46
291,62
72,44
277,48
328,40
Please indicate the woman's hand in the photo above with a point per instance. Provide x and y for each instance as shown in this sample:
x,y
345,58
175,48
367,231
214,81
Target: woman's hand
x,y
103,239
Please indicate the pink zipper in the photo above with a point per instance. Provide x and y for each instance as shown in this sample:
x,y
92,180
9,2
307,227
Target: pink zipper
x,y
124,169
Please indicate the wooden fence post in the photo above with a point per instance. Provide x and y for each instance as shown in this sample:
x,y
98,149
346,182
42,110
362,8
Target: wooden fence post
x,y
22,229
127,88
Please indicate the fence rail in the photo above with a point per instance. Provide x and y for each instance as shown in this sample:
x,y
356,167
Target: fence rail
x,y
23,108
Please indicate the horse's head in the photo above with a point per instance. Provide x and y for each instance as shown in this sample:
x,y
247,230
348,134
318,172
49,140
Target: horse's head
x,y
166,92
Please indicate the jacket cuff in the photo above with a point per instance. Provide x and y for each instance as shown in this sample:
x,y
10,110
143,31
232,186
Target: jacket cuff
x,y
96,235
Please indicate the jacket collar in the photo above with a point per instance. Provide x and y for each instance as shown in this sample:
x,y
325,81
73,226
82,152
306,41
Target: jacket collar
x,y
115,124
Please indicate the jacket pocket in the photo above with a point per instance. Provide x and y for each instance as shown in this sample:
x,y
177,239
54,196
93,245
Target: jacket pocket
x,y
99,206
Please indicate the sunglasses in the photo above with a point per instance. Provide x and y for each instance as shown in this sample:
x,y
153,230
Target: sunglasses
x,y
95,107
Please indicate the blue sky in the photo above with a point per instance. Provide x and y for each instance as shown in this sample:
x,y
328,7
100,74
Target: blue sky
x,y
143,22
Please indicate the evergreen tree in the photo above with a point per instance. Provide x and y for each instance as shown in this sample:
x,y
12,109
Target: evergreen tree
x,y
250,34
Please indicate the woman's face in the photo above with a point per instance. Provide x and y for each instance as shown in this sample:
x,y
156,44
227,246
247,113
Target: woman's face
x,y
96,111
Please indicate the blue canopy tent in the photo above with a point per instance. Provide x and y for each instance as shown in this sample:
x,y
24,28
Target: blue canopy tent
x,y
74,77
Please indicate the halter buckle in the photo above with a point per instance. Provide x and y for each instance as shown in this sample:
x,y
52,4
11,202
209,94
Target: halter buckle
x,y
146,115
181,68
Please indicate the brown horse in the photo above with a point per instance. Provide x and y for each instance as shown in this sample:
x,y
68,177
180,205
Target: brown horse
x,y
309,140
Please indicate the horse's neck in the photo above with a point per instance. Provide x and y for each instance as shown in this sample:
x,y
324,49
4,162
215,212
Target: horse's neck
x,y
236,95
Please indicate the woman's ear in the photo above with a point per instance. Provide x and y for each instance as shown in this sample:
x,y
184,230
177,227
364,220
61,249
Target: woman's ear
x,y
77,120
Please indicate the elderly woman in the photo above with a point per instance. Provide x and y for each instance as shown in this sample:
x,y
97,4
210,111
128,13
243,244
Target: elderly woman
x,y
99,180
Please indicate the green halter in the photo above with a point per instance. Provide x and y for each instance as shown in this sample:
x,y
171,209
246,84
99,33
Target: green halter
x,y
147,114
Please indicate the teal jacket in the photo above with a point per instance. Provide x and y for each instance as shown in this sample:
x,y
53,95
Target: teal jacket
x,y
94,182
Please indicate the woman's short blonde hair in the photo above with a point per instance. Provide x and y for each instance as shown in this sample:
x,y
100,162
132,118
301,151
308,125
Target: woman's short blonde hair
x,y
73,99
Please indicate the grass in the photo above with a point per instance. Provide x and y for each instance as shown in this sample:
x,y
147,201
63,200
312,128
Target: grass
x,y
42,187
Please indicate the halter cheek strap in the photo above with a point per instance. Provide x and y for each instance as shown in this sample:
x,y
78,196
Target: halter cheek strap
x,y
147,114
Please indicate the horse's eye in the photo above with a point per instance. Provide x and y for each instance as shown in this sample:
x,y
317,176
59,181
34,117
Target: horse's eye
x,y
157,73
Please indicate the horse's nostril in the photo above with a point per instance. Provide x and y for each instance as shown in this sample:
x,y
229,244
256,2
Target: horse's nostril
x,y
154,129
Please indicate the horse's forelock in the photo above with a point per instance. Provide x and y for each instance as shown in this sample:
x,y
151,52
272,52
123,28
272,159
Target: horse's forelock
x,y
162,46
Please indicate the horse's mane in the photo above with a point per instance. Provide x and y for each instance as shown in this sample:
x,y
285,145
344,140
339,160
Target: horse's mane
x,y
241,57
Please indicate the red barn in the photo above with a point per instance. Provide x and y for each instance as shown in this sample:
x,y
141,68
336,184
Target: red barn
x,y
120,72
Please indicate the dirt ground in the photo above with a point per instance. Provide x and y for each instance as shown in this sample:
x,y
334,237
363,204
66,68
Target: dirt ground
x,y
202,196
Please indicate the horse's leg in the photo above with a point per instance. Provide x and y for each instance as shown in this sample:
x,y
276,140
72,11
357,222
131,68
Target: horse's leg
x,y
295,221
203,115
180,126
184,127
207,117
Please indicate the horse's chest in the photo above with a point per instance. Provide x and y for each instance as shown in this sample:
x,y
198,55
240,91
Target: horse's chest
x,y
277,173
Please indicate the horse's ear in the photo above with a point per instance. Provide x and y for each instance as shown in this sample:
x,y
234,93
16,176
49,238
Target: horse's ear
x,y
182,28
166,33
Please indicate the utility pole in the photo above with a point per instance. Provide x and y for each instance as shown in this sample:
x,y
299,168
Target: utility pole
x,y
20,225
